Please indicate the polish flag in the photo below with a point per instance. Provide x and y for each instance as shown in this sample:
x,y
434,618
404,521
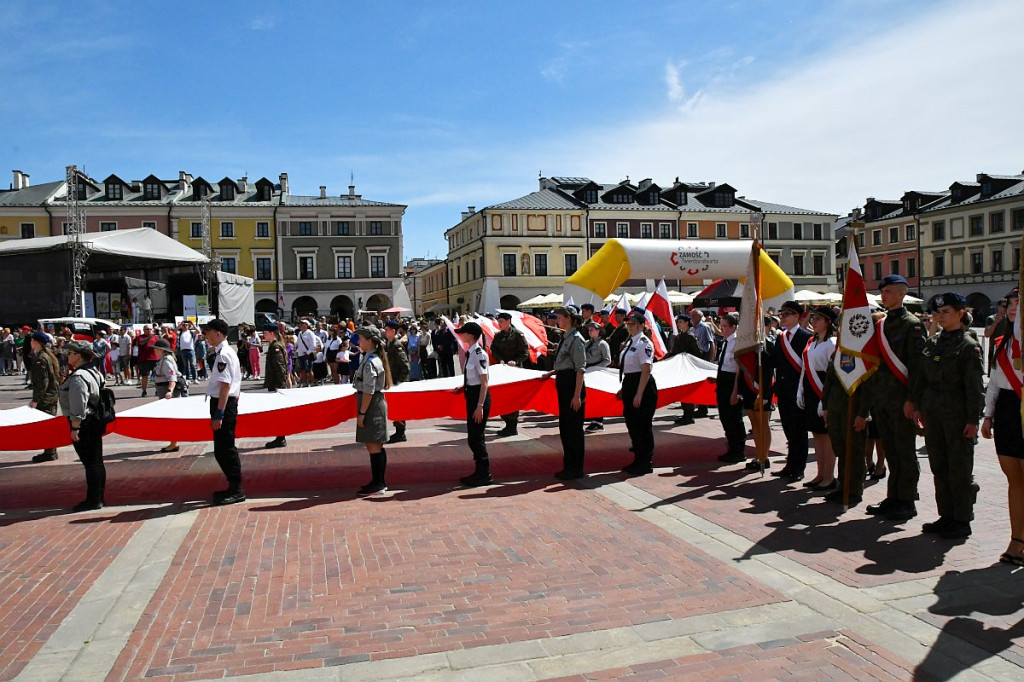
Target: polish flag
x,y
489,326
533,329
660,305
452,328
659,343
642,303
857,355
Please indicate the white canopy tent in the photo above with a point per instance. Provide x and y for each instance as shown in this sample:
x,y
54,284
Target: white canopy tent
x,y
118,250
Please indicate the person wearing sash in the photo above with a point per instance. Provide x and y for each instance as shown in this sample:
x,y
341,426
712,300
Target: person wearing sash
x,y
370,379
475,387
889,394
639,394
952,400
569,366
817,357
789,363
1003,421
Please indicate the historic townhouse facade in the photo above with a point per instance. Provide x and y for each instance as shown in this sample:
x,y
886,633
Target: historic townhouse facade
x,y
430,292
888,242
970,240
508,252
306,254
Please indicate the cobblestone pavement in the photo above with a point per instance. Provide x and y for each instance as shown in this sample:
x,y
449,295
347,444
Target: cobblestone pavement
x,y
698,571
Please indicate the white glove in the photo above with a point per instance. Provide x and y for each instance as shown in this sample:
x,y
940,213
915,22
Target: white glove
x,y
800,398
821,410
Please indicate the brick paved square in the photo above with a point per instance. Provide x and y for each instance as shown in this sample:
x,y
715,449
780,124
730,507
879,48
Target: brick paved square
x,y
47,565
327,581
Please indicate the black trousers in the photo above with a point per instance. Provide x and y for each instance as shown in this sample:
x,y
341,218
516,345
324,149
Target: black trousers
x,y
570,421
224,449
640,420
446,364
474,431
731,416
794,425
90,452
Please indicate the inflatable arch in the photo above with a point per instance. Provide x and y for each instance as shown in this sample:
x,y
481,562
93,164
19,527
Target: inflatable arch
x,y
692,261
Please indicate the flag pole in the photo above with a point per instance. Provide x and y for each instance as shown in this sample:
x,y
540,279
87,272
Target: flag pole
x,y
847,464
757,221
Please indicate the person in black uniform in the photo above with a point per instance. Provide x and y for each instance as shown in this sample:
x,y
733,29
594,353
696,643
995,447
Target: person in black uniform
x,y
617,336
730,411
764,372
570,364
478,404
79,396
788,361
223,390
639,394
685,343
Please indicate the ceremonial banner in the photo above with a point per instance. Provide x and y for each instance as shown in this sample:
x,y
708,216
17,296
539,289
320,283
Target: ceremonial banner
x,y
750,336
26,428
858,353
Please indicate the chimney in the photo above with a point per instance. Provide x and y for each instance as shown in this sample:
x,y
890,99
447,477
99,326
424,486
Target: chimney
x,y
24,180
17,180
856,214
472,210
284,183
869,200
323,191
352,190
183,180
711,185
240,184
645,183
136,185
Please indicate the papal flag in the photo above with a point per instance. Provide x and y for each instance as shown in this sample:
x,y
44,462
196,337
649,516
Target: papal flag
x,y
750,336
858,355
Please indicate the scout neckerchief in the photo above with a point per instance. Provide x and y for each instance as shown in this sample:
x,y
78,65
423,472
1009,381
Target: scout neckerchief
x,y
895,365
1003,358
787,346
816,383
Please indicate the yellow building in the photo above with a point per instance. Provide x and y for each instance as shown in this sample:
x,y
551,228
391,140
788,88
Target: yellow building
x,y
23,213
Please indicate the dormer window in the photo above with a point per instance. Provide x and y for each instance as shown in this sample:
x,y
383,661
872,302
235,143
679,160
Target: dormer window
x,y
723,199
653,197
227,191
987,189
151,190
265,193
113,191
590,196
82,192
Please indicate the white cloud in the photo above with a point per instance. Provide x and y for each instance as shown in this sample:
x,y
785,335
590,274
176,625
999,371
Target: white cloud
x,y
918,107
261,24
557,68
676,91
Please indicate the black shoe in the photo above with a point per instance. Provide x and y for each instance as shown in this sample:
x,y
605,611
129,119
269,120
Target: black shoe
x,y
826,487
784,471
509,431
902,511
637,469
937,526
45,457
684,421
957,530
228,497
793,476
701,413
398,437
591,428
881,508
564,475
731,459
373,489
280,442
144,395
476,479
87,505
837,497
755,465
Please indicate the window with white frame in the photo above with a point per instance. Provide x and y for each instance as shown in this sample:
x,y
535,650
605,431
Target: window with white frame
x,y
540,264
894,235
720,231
262,230
744,231
227,228
342,228
818,231
692,231
108,227
229,264
151,224
305,228
508,264
571,263
646,230
876,237
378,266
307,267
345,267
911,232
798,264
600,230
622,230
28,230
197,231
151,190
818,264
665,230
377,228
264,268
773,230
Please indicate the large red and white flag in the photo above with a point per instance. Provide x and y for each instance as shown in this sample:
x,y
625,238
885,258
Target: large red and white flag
x,y
659,343
857,355
750,335
661,306
641,302
533,329
452,327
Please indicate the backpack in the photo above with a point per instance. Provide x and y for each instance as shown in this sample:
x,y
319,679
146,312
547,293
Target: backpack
x,y
105,413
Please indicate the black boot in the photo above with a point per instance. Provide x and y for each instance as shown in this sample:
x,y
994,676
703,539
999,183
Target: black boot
x,y
278,442
399,435
378,464
641,465
93,491
481,474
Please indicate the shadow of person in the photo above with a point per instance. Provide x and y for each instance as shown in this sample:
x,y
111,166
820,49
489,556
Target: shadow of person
x,y
985,610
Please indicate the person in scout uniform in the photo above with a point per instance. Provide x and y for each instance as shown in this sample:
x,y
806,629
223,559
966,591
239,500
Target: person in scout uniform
x,y
398,359
598,355
478,403
1003,421
509,348
223,390
952,394
685,342
639,394
79,396
45,377
165,379
569,366
789,363
889,396
276,375
370,379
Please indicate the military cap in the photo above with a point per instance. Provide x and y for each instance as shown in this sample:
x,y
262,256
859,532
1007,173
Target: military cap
x,y
392,324
504,316
592,325
369,331
619,311
587,306
793,306
217,325
636,316
40,337
824,311
471,328
82,348
891,279
270,327
569,311
1015,293
949,298
684,317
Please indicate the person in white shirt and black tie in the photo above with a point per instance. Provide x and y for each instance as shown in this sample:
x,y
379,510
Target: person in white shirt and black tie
x,y
730,410
478,403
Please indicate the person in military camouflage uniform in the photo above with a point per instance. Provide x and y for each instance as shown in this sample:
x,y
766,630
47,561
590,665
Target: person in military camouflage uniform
x,y
837,404
276,372
508,347
890,396
45,379
952,401
685,342
598,355
398,360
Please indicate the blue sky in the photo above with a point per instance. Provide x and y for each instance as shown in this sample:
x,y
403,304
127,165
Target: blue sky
x,y
447,104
